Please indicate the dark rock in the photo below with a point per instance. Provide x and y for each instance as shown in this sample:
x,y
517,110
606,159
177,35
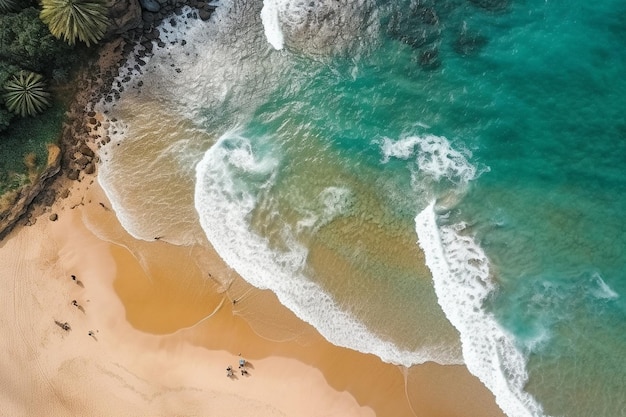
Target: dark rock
x,y
83,161
54,217
72,175
86,150
150,5
429,59
154,34
147,45
89,168
205,14
124,15
148,17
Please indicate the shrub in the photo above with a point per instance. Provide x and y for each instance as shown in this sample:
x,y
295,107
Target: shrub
x,y
25,41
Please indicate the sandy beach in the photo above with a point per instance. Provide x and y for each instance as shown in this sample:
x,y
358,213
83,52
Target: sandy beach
x,y
150,332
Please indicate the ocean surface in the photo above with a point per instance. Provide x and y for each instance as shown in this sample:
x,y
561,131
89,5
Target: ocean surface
x,y
421,180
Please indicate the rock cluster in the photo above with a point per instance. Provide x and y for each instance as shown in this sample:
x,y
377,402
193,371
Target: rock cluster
x,y
138,17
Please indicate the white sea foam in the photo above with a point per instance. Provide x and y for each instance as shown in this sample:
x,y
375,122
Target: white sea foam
x,y
224,203
215,78
462,283
433,155
271,23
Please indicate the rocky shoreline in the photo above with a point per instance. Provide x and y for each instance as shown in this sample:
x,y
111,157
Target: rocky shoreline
x,y
133,30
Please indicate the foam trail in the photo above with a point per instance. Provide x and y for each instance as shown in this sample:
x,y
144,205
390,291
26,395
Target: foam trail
x,y
603,290
462,283
231,180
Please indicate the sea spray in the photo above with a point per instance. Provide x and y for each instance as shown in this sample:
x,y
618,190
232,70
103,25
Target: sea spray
x,y
224,201
462,282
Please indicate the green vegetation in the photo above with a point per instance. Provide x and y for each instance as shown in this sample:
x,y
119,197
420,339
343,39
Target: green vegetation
x,y
26,44
35,73
71,19
28,136
26,94
25,41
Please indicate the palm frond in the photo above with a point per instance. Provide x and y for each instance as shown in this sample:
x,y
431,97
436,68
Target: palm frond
x,y
25,94
8,5
85,20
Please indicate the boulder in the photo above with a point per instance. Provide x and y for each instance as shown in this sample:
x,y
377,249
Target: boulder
x,y
150,5
124,16
86,150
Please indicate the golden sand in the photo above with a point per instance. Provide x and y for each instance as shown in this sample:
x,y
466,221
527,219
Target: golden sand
x,y
152,334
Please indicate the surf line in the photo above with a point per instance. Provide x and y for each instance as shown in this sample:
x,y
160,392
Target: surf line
x,y
461,277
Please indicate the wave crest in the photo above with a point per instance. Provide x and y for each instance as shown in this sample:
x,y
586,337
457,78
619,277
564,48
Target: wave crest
x,y
462,282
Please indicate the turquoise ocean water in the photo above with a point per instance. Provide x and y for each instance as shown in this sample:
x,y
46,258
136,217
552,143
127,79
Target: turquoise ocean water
x,y
421,180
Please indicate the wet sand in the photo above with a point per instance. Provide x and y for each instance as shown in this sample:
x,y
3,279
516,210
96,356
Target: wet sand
x,y
154,328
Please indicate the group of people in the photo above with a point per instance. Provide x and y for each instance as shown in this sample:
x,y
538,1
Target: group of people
x,y
242,368
65,326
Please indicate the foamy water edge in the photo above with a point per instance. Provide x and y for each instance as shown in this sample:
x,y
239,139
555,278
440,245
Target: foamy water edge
x,y
461,277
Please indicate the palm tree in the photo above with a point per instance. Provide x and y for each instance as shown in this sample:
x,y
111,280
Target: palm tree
x,y
70,19
26,94
8,5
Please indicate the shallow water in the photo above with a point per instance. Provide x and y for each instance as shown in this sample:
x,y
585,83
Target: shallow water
x,y
439,182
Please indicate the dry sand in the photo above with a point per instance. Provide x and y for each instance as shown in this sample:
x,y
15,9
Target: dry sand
x,y
164,331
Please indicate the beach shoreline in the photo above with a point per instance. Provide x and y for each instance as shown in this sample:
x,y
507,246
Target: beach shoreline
x,y
169,370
